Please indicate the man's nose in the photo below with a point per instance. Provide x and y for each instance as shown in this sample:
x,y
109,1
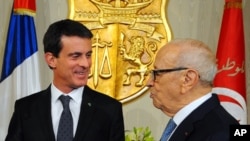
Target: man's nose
x,y
150,82
85,62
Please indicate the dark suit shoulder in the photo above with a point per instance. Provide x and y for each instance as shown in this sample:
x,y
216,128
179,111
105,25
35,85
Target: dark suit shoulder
x,y
99,97
209,121
33,99
223,116
32,96
220,113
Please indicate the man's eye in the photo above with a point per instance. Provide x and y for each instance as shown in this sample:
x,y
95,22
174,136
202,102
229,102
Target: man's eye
x,y
88,55
75,56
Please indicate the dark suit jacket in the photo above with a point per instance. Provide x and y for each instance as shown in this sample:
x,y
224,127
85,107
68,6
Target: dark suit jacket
x,y
209,122
101,118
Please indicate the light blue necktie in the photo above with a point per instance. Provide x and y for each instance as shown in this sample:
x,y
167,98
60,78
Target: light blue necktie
x,y
168,130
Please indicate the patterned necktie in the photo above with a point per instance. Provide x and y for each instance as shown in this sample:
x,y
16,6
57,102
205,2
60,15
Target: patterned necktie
x,y
168,130
65,128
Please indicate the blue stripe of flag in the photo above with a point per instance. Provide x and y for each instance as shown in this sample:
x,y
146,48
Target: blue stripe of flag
x,y
21,43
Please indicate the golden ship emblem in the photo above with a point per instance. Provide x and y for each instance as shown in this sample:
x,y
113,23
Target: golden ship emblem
x,y
127,35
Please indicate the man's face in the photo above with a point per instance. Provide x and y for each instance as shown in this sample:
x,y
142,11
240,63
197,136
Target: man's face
x,y
72,67
165,88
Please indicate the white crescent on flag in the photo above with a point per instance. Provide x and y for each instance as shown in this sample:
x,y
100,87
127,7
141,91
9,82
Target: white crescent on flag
x,y
234,102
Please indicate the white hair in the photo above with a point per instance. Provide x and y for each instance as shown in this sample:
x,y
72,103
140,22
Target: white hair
x,y
196,55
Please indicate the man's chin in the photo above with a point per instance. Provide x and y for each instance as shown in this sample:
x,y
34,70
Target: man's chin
x,y
156,105
78,85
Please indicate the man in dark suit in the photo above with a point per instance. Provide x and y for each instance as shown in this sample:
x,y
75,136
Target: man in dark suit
x,y
93,116
180,87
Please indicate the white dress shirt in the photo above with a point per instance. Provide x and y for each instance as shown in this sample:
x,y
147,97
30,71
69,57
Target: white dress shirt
x,y
57,108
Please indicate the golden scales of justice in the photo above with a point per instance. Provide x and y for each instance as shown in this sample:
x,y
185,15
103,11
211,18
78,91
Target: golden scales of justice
x,y
127,35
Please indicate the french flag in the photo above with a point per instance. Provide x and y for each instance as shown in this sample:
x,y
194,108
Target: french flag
x,y
20,67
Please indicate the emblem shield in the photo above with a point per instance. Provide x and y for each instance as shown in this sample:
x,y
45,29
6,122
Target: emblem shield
x,y
127,35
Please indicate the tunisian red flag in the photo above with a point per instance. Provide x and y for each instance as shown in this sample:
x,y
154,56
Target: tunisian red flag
x,y
230,80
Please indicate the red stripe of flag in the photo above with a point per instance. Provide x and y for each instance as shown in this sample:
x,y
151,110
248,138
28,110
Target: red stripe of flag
x,y
24,6
231,58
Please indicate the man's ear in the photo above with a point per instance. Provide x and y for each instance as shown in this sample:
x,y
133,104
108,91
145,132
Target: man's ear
x,y
190,79
50,60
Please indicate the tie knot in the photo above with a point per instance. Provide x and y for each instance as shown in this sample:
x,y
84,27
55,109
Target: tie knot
x,y
171,125
65,101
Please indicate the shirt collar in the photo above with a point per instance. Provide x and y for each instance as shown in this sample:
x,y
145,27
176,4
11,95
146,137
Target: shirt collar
x,y
185,111
75,94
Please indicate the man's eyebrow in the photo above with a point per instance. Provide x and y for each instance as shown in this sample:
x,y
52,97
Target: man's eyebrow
x,y
79,53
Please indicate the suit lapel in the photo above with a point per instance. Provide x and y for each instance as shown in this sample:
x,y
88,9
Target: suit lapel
x,y
44,111
86,114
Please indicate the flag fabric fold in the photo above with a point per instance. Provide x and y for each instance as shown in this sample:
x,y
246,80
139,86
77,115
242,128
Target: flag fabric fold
x,y
20,69
230,80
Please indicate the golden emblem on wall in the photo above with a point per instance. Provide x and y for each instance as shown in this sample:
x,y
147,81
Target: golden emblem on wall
x,y
127,35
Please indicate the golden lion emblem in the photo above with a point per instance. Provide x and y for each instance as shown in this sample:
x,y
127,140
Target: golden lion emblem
x,y
134,55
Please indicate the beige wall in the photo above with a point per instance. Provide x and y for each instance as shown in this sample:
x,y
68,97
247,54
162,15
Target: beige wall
x,y
200,19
